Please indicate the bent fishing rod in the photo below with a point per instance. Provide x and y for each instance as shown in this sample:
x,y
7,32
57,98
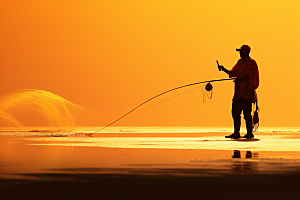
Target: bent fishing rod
x,y
228,79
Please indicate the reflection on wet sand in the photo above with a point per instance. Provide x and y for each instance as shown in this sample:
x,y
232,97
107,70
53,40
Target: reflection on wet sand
x,y
244,165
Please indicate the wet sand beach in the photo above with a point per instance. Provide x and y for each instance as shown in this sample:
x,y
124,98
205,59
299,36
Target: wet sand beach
x,y
137,166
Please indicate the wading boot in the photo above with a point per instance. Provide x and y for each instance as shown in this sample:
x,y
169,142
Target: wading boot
x,y
237,126
249,134
233,135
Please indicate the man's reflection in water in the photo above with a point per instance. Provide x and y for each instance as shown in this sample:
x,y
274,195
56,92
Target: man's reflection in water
x,y
244,165
236,154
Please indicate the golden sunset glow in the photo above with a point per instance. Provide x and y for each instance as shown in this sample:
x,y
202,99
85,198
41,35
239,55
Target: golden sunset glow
x,y
110,56
102,98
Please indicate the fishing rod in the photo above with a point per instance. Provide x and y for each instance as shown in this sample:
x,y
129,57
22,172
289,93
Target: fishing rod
x,y
216,80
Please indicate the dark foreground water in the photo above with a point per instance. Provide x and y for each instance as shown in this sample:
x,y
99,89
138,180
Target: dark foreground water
x,y
148,163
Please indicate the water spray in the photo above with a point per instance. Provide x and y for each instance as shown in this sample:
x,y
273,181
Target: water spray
x,y
49,109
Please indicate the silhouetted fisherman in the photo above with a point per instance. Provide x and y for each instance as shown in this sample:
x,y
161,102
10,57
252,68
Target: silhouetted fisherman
x,y
247,81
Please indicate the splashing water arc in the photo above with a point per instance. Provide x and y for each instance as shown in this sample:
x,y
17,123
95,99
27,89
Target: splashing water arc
x,y
31,107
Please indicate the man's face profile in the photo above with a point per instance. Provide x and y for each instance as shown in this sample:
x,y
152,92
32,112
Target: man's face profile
x,y
244,53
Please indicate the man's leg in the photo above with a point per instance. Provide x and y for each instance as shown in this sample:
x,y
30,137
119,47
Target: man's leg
x,y
236,115
247,109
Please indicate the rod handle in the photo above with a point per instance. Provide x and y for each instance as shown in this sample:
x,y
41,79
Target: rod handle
x,y
218,66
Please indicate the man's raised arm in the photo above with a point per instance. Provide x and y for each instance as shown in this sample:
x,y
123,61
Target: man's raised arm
x,y
229,72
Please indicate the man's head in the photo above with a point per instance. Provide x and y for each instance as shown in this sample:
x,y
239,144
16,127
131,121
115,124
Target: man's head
x,y
244,51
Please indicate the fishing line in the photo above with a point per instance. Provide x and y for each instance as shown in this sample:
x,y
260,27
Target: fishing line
x,y
169,98
158,96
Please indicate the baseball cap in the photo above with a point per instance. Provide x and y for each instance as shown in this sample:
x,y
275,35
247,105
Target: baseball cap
x,y
244,47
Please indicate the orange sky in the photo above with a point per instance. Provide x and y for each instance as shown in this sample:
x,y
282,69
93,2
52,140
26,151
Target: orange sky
x,y
110,56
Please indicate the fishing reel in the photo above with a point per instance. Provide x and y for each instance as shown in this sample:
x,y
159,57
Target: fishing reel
x,y
208,87
207,91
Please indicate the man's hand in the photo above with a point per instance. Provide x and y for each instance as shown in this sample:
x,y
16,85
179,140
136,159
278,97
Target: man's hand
x,y
244,78
221,67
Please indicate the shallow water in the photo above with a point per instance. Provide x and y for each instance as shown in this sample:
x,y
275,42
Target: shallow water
x,y
146,150
52,131
266,143
269,139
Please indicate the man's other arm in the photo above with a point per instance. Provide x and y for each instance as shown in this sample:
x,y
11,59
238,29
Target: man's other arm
x,y
231,73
